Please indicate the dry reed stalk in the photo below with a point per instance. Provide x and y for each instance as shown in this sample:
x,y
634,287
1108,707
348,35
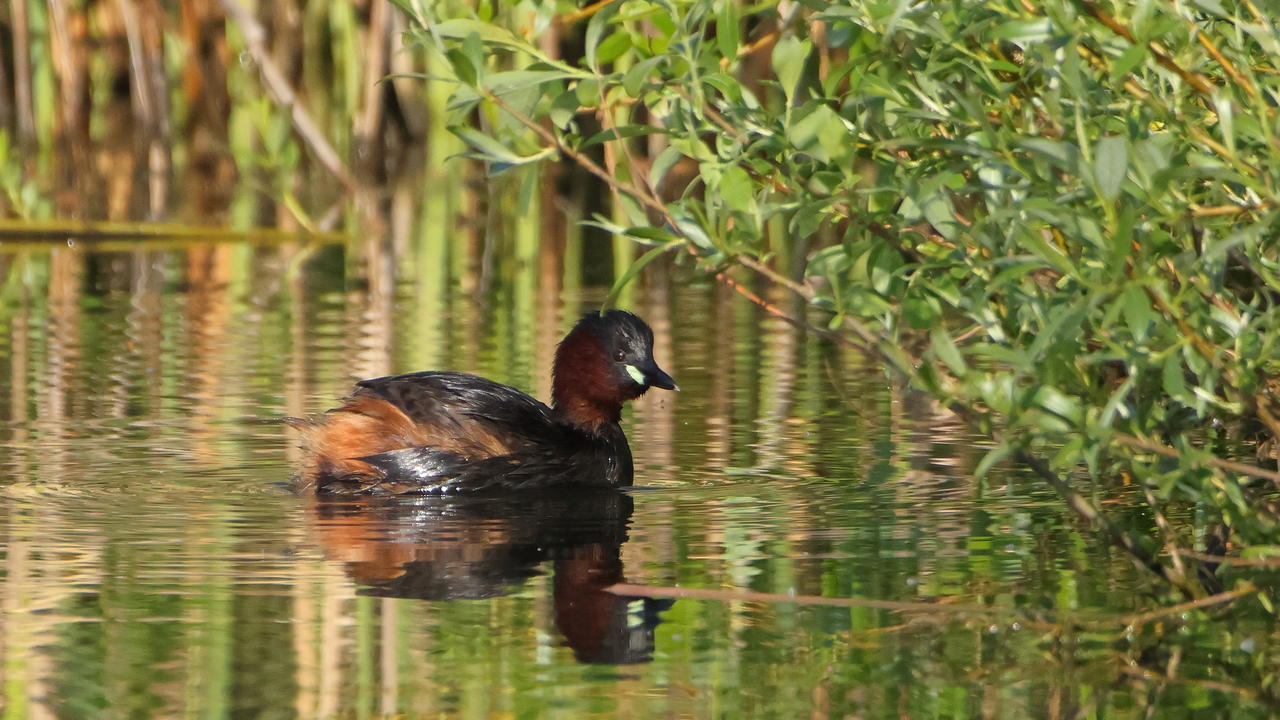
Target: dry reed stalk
x,y
23,108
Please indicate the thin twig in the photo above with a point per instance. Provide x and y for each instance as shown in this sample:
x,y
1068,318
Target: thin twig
x,y
1239,79
1224,152
1197,604
1262,403
763,41
584,13
1217,462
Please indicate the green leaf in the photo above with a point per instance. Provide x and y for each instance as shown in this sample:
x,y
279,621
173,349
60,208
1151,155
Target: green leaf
x,y
564,108
595,30
944,348
1223,105
821,133
1024,31
1128,60
461,28
635,78
789,57
1059,403
613,47
652,234
737,189
882,266
1172,378
727,31
940,213
473,50
1069,454
505,82
1063,154
1111,162
463,68
1259,552
993,456
1138,314
662,164
692,231
921,311
493,151
588,92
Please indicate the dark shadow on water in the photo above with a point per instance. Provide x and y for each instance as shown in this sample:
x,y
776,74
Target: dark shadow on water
x,y
457,548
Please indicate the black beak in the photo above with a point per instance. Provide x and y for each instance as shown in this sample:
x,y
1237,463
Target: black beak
x,y
655,377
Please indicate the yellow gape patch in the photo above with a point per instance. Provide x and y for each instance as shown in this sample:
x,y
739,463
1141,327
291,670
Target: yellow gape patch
x,y
636,375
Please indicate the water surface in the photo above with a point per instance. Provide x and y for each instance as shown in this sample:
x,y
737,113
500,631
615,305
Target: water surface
x,y
156,565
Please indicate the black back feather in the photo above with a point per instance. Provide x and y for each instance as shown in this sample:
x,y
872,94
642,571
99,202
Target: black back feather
x,y
547,452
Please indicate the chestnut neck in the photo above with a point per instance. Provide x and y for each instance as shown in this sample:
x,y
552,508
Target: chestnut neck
x,y
584,391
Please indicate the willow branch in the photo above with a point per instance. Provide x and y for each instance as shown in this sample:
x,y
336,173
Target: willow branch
x,y
1197,604
1222,60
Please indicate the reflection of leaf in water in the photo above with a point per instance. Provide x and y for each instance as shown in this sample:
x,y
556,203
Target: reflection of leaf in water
x,y
742,541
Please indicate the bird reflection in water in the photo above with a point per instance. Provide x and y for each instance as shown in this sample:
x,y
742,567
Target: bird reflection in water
x,y
471,547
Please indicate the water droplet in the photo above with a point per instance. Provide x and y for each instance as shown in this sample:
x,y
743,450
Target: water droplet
x,y
71,242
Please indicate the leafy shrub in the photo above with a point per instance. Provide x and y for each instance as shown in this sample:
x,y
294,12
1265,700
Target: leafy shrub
x,y
1074,202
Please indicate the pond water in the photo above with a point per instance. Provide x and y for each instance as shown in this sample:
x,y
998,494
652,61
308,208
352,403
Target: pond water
x,y
156,565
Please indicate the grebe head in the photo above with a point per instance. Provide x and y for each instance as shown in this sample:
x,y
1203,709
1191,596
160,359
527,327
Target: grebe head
x,y
604,361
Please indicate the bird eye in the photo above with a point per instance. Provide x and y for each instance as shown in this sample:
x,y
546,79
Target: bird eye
x,y
619,356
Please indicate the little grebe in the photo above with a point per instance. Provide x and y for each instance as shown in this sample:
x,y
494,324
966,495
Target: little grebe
x,y
447,432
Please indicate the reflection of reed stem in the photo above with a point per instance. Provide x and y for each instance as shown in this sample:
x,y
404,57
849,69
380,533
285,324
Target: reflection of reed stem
x,y
389,648
19,359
